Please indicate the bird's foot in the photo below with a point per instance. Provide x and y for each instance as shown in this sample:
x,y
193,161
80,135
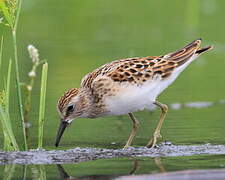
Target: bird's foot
x,y
126,147
153,140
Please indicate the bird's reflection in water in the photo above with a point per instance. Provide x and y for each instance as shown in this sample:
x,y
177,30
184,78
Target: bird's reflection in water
x,y
64,175
136,165
159,164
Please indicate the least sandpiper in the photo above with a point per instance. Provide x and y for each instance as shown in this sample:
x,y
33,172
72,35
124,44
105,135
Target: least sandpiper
x,y
125,86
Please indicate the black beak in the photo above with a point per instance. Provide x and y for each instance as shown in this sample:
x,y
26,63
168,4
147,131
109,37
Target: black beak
x,y
61,129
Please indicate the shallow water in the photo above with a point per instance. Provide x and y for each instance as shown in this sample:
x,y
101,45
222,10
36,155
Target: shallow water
x,y
112,168
215,174
78,36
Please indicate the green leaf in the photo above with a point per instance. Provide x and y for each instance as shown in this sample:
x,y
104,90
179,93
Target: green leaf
x,y
6,13
7,130
8,85
42,104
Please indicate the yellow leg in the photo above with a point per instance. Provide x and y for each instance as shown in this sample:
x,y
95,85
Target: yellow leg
x,y
134,130
135,167
159,164
156,134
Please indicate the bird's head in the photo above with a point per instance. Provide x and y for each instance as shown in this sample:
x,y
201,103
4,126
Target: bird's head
x,y
70,106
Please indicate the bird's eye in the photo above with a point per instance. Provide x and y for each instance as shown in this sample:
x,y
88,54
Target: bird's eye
x,y
70,108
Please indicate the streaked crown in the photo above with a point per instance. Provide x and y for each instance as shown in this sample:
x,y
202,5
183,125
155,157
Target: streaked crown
x,y
65,99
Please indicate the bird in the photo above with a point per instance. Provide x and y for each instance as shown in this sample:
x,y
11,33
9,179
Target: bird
x,y
125,86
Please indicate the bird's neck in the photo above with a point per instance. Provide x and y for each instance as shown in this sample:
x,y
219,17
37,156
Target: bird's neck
x,y
92,108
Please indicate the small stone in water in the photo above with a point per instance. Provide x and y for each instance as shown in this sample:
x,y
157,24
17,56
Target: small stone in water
x,y
167,143
175,106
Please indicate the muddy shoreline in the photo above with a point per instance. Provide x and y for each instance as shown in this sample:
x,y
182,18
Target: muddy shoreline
x,y
87,154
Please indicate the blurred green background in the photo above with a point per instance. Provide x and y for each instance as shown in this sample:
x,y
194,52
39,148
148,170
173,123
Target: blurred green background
x,y
77,36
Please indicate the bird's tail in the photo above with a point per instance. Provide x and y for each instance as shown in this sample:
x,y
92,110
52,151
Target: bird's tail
x,y
204,49
183,55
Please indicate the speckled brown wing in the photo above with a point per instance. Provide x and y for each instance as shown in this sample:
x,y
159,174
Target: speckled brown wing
x,y
166,65
139,70
171,61
105,70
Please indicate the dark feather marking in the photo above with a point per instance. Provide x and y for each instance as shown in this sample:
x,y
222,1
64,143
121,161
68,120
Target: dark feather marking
x,y
132,70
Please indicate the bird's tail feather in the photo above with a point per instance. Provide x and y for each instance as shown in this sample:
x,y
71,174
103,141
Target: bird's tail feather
x,y
183,55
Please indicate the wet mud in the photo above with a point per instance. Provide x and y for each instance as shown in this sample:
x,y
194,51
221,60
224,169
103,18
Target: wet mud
x,y
87,154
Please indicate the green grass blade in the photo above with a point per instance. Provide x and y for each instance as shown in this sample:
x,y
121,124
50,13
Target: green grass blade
x,y
7,141
42,104
8,86
5,119
9,138
19,94
19,5
1,47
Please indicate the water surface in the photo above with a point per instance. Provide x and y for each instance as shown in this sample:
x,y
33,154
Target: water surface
x,y
111,168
